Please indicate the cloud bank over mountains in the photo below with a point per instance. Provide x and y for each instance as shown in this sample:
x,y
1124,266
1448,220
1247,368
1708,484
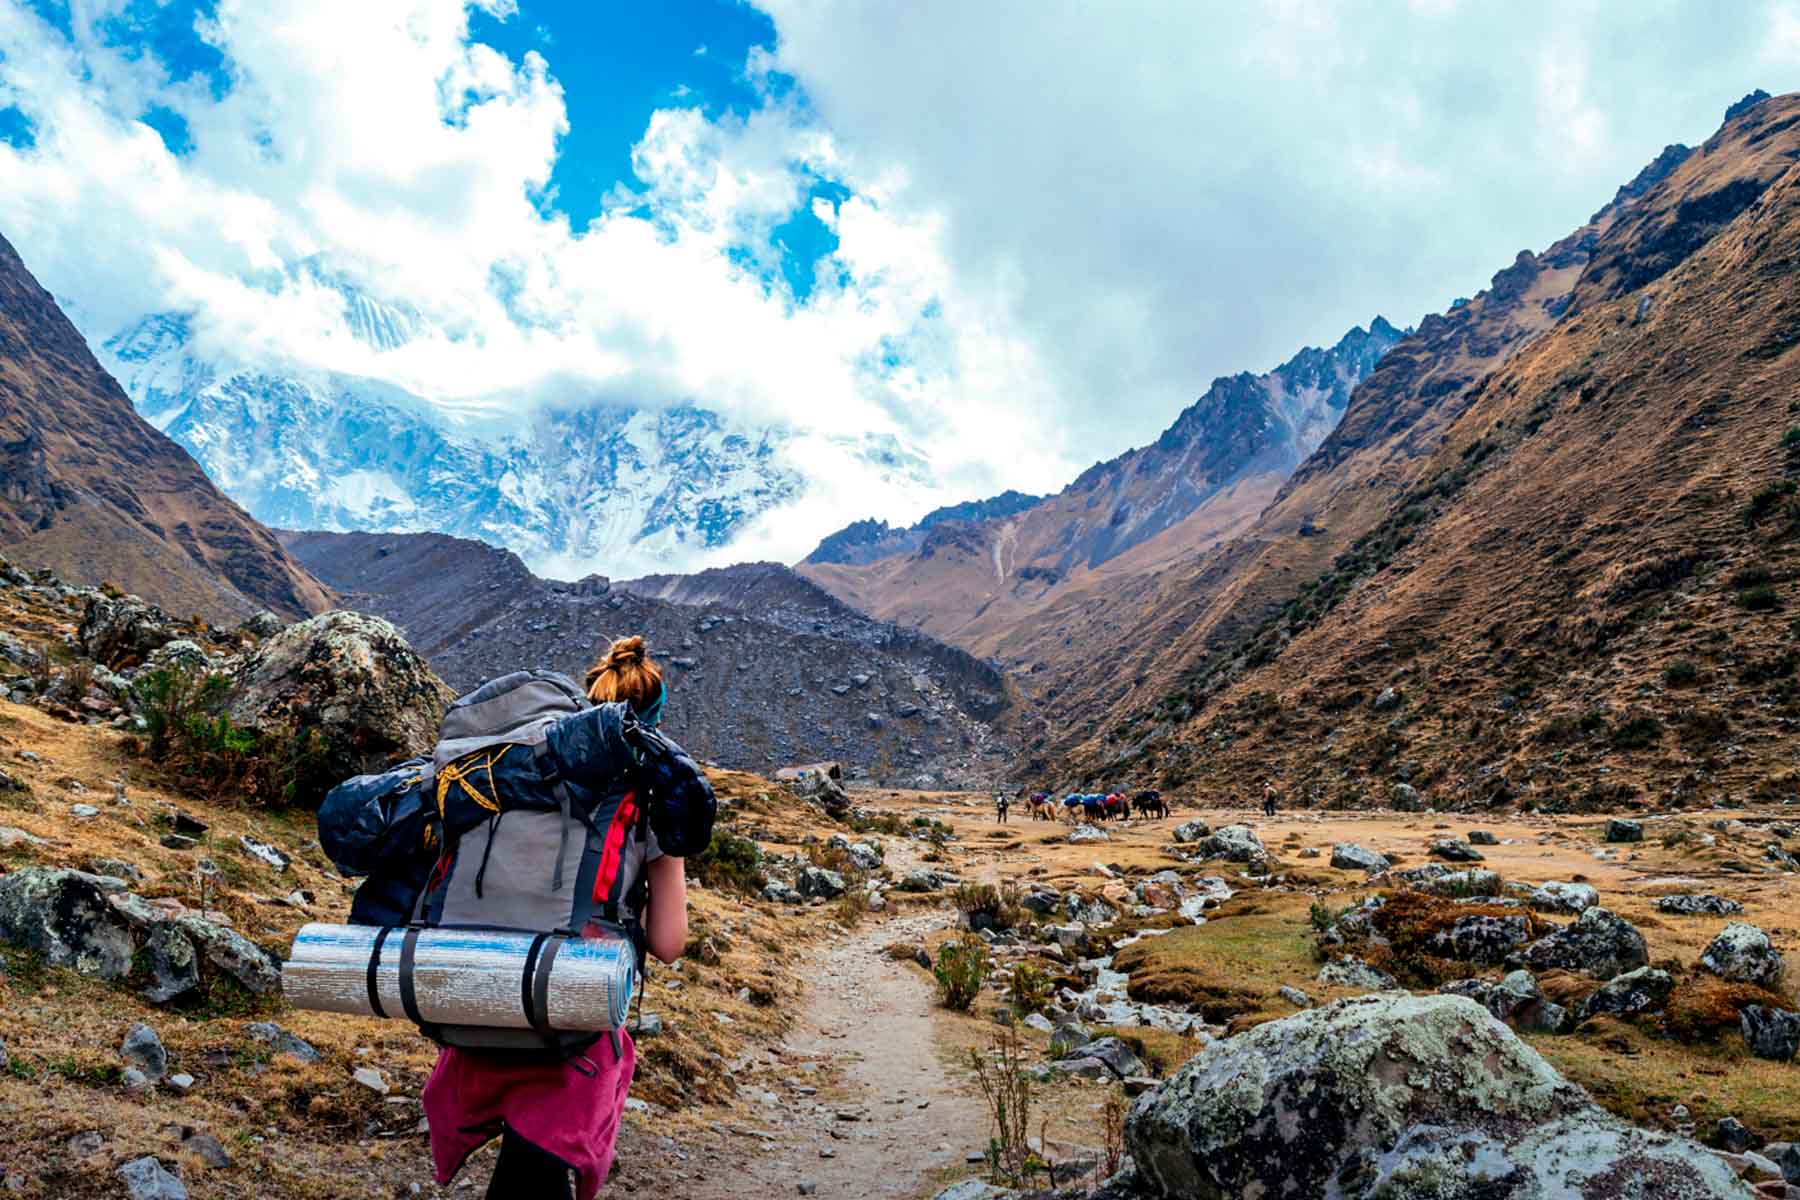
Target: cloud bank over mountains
x,y
1041,228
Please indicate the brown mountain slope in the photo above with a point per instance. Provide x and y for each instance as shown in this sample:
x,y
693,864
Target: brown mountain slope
x,y
1573,592
986,585
92,491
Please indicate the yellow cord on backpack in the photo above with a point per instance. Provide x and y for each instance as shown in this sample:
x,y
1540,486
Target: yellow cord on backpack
x,y
459,772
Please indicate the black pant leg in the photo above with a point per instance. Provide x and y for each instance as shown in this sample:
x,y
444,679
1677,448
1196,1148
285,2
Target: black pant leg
x,y
524,1172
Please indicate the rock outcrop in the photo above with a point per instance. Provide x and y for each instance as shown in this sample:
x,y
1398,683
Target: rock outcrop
x,y
351,679
1398,1098
1597,943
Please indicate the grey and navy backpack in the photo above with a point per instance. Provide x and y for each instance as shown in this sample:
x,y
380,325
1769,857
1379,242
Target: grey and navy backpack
x,y
521,822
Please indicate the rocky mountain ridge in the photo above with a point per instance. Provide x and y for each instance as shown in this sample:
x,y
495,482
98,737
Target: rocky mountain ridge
x,y
92,491
765,668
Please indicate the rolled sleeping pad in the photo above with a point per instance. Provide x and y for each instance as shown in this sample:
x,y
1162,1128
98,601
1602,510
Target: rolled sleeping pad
x,y
462,977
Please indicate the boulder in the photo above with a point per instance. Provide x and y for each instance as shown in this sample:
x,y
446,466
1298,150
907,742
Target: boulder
x,y
1771,1033
147,1179
1484,940
280,1041
143,1049
1733,1136
824,789
817,881
1192,831
65,916
1743,953
1481,837
1355,973
121,631
1117,1056
1234,843
1348,856
1396,1097
1083,1067
170,962
349,679
1038,898
1598,943
1643,990
1620,830
1456,850
1088,833
227,949
1699,904
1570,898
1407,798
1068,1037
264,624
919,879
1476,881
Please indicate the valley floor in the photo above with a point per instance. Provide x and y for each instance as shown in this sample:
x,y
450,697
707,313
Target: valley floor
x,y
796,1051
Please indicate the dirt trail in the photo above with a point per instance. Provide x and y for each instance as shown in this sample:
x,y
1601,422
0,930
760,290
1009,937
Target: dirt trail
x,y
885,1116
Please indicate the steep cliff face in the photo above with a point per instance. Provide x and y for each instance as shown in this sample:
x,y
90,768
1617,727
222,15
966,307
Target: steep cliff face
x,y
765,668
985,578
1545,555
93,492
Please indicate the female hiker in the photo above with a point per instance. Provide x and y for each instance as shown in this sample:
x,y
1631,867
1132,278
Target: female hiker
x,y
557,1118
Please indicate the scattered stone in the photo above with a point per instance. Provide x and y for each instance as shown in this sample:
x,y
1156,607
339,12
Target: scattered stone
x,y
1234,843
817,881
1192,831
134,1080
1733,1136
1597,943
920,879
264,852
1476,881
1068,1037
1348,856
1484,940
1115,1054
64,915
1743,953
146,1179
370,1078
1570,898
1699,904
1083,1067
1481,837
1386,699
1037,1021
1456,850
648,1025
178,841
1412,1097
1407,798
86,1143
1088,833
1643,990
1620,830
1771,1033
1295,996
181,1081
1355,973
283,1042
10,837
144,1050
83,812
188,824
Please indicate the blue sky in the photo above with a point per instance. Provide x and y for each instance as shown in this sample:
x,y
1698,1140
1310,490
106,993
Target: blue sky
x,y
1015,237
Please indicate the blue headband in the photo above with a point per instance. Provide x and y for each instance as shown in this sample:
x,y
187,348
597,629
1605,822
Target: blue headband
x,y
652,714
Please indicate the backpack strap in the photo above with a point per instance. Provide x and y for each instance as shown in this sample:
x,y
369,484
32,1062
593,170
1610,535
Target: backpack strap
x,y
375,1006
409,998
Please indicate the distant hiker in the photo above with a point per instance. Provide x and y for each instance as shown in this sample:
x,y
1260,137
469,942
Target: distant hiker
x,y
1002,802
1269,798
554,1116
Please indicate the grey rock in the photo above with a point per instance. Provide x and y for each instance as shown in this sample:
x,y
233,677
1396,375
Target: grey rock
x,y
1348,856
1406,798
1039,899
1643,990
1354,972
1386,699
1547,1017
648,1025
371,1078
1456,850
1484,940
1481,837
1317,1104
1620,830
1476,881
1733,1136
974,1189
1572,899
1037,1021
1743,953
207,1149
1598,943
1699,904
181,1081
64,915
1787,1157
122,631
1771,1033
1084,1067
264,853
178,841
4,1057
170,962
134,1080
1294,996
281,1041
83,812
144,1050
919,879
1088,833
1069,1037
817,881
1115,1054
1234,843
147,1179
1192,831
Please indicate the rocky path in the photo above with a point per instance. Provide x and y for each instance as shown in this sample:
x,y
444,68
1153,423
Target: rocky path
x,y
856,1101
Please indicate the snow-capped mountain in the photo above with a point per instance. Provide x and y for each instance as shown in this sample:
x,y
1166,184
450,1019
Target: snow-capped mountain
x,y
599,488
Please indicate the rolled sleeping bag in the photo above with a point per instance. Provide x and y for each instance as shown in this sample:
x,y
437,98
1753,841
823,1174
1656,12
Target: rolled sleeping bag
x,y
462,977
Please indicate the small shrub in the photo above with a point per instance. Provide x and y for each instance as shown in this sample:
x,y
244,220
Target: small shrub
x,y
1006,1088
1766,500
1681,673
1761,598
1031,988
851,907
1702,727
1751,576
729,863
962,967
1635,733
1112,1131
1324,917
977,899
